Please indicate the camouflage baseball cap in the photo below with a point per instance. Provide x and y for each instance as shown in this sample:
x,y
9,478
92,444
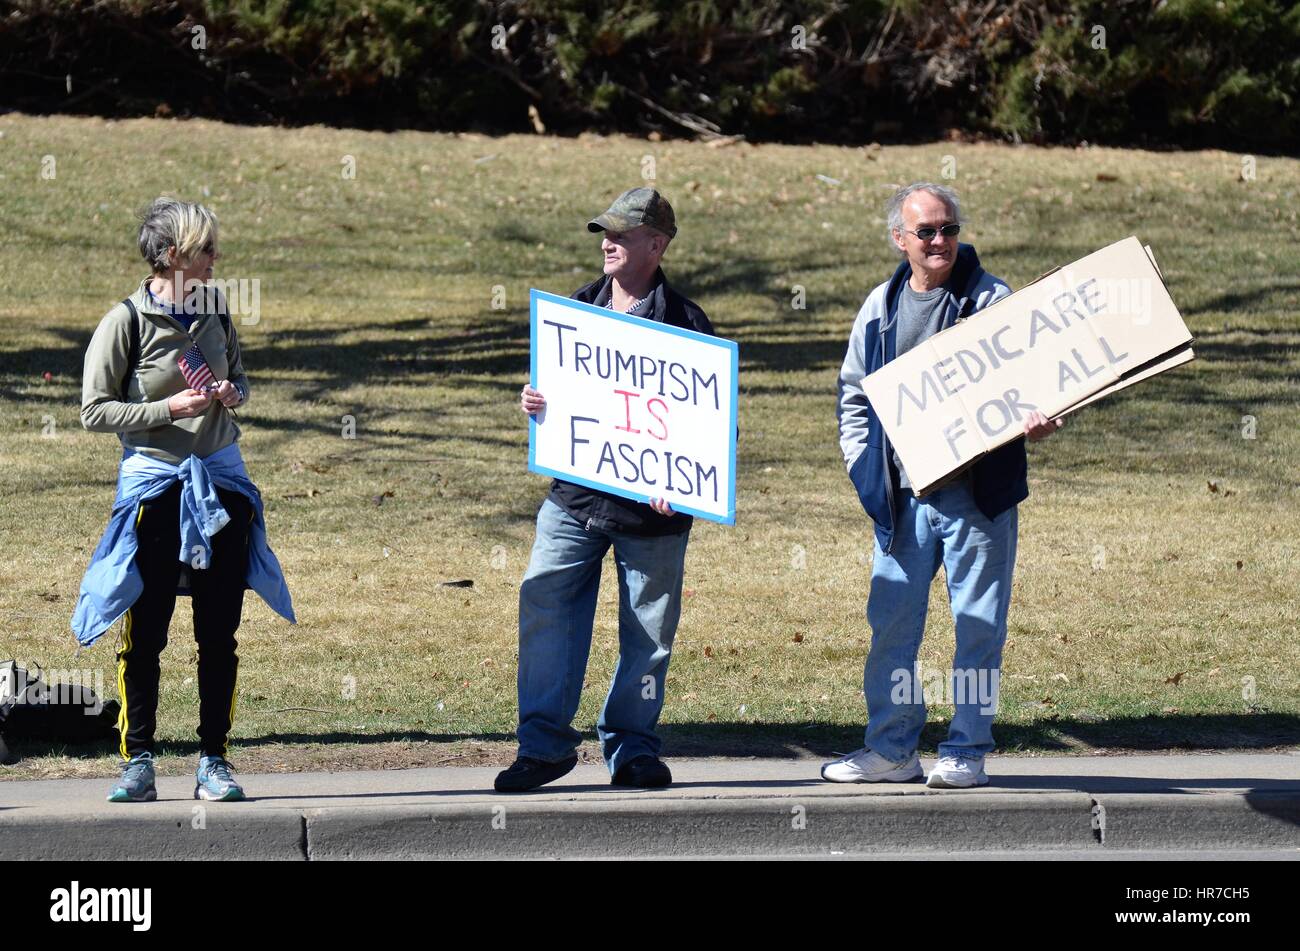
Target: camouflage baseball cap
x,y
637,206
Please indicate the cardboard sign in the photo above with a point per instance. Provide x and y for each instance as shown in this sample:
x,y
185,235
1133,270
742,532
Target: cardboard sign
x,y
1073,336
634,407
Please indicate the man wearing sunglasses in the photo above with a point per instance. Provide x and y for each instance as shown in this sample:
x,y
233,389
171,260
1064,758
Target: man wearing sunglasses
x,y
969,525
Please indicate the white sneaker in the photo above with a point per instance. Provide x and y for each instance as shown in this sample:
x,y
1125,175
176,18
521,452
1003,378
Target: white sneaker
x,y
867,766
957,772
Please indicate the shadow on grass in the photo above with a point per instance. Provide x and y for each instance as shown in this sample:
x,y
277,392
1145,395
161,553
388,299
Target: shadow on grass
x,y
1063,735
109,747
1154,733
1276,297
488,348
492,348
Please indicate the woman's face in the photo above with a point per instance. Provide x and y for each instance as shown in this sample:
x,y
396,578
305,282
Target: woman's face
x,y
201,267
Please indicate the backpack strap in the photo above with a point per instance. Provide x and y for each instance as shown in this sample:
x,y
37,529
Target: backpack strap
x,y
133,347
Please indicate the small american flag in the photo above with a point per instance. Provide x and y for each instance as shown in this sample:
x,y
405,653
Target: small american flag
x,y
195,369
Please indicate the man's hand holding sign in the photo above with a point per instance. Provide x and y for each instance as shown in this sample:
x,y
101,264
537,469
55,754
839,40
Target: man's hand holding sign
x,y
532,402
1038,426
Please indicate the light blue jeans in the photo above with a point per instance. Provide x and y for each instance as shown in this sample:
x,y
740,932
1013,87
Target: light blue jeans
x,y
978,555
557,607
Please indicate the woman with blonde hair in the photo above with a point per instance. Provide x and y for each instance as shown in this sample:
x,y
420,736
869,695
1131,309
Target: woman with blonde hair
x,y
163,372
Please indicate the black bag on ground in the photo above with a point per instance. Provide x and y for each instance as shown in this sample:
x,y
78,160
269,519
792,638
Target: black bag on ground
x,y
31,709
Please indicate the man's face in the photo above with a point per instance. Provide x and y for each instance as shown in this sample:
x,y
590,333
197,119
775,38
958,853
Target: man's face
x,y
935,257
632,253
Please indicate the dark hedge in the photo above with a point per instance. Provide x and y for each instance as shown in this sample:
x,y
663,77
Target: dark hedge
x,y
1169,72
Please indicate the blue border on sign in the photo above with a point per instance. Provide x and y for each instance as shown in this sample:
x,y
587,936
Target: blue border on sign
x,y
733,352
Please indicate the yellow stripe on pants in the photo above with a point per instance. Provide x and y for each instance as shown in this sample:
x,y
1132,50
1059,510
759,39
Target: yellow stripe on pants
x,y
234,692
122,722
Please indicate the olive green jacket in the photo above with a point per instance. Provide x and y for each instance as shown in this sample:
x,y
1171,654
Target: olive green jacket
x,y
139,414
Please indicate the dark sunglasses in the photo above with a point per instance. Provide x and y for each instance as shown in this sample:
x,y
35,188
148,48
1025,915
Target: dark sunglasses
x,y
927,234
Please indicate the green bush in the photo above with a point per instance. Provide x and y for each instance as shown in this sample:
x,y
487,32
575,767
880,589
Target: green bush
x,y
1189,72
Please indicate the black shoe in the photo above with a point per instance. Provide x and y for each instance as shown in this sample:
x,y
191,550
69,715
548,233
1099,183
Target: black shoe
x,y
526,773
645,772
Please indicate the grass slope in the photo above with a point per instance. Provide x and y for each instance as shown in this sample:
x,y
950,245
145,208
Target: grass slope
x,y
1148,612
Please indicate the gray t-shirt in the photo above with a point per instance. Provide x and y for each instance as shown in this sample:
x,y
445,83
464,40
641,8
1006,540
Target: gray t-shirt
x,y
919,315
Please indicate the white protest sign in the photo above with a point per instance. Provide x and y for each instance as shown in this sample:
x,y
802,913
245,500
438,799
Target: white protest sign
x,y
1090,328
634,407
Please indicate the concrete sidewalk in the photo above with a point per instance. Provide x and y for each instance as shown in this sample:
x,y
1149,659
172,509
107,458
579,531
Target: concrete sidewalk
x,y
716,807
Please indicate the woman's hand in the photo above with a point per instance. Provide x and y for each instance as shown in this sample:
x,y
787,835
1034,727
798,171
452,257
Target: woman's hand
x,y
531,401
228,394
188,403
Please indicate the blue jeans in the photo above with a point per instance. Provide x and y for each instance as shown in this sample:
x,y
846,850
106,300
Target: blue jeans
x,y
557,607
978,555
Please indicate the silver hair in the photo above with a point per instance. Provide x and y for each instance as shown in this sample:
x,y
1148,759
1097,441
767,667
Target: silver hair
x,y
894,207
166,223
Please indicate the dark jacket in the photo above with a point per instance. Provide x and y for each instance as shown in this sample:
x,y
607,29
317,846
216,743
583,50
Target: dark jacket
x,y
604,510
998,480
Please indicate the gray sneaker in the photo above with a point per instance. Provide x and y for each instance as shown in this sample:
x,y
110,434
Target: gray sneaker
x,y
214,782
137,782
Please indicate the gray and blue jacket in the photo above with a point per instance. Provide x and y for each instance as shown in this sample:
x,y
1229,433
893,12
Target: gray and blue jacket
x,y
998,480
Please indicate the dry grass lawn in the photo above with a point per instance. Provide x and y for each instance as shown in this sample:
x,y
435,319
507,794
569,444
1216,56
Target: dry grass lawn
x,y
1156,593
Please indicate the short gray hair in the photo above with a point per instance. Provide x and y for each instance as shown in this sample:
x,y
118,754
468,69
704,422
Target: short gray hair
x,y
894,207
166,223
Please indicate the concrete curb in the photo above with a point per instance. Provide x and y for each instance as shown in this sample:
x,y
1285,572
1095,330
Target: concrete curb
x,y
1260,820
1084,806
787,826
168,833
664,827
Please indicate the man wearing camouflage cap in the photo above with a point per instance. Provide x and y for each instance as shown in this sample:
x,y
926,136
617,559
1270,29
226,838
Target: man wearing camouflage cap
x,y
577,526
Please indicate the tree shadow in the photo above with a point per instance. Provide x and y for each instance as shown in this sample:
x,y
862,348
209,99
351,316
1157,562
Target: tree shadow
x,y
1275,297
1152,733
95,749
1061,735
323,369
316,368
1152,420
